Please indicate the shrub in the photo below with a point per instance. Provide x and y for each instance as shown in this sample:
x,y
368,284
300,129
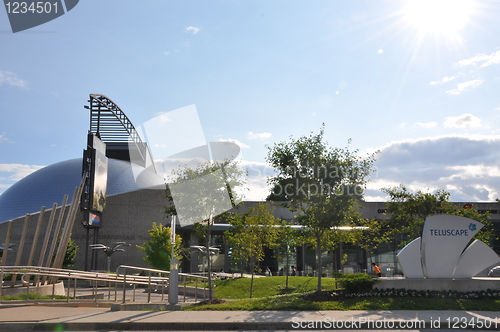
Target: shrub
x,y
357,283
158,249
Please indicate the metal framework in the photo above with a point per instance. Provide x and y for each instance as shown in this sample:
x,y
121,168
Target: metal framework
x,y
125,275
114,128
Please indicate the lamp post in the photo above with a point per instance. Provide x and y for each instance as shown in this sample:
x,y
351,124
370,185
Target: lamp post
x,y
110,250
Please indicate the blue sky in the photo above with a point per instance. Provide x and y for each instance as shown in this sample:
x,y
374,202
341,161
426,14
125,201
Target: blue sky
x,y
420,84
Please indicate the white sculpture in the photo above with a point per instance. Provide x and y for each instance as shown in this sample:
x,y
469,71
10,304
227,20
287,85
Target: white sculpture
x,y
441,252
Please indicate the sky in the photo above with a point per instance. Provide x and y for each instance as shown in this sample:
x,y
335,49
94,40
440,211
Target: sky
x,y
416,80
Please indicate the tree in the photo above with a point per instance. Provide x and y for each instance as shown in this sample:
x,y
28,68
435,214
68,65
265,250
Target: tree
x,y
288,239
250,233
409,209
159,249
368,235
199,195
70,254
323,184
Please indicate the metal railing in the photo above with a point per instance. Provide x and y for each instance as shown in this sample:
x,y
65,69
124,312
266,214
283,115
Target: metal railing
x,y
184,276
33,277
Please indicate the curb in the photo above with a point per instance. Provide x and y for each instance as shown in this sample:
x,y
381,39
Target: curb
x,y
18,326
192,326
166,326
145,306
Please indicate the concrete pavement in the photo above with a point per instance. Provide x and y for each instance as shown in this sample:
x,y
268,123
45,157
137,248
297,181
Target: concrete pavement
x,y
78,318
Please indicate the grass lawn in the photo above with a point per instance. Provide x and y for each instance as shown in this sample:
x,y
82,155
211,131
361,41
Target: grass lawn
x,y
270,294
31,296
269,286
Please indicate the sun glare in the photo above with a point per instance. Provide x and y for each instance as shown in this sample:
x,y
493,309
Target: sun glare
x,y
443,17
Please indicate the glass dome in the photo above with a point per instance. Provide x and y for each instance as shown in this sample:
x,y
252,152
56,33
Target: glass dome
x,y
48,185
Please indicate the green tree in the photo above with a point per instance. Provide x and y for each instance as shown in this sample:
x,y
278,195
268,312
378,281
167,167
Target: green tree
x,y
198,195
409,209
323,184
250,233
70,255
159,249
288,240
368,234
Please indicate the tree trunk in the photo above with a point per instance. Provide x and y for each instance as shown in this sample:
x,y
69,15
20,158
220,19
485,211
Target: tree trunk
x,y
287,265
253,272
320,269
209,260
241,268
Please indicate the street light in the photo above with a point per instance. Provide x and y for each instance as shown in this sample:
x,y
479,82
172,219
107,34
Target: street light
x,y
110,250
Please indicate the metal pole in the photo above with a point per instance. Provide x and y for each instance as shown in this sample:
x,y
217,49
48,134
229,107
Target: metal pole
x,y
124,282
20,249
87,250
173,288
149,286
6,244
35,238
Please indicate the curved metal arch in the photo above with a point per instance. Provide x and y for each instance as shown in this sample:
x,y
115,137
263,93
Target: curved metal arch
x,y
112,125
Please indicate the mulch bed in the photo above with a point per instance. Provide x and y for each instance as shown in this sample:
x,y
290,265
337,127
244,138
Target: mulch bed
x,y
212,301
321,296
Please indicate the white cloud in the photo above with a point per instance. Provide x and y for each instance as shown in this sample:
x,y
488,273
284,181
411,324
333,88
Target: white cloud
x,y
258,173
465,85
405,125
486,59
474,171
19,170
465,166
426,124
11,173
7,77
235,141
475,59
494,60
166,52
260,136
194,30
446,79
462,121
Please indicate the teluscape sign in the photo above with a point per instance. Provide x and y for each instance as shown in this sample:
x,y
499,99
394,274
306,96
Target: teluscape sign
x,y
443,251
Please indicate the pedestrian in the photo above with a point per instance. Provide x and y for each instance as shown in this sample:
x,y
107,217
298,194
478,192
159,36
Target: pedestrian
x,y
294,271
376,269
268,272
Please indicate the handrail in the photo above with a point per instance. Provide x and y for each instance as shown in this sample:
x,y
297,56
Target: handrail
x,y
160,271
149,270
125,279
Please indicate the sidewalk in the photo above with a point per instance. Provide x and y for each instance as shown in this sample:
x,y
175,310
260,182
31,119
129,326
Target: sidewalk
x,y
50,318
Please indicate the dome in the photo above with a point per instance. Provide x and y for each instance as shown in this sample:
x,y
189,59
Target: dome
x,y
48,185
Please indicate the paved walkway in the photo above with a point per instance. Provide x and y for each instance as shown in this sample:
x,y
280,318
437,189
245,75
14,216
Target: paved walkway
x,y
51,318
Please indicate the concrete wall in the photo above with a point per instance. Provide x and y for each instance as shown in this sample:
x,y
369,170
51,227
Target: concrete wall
x,y
459,285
